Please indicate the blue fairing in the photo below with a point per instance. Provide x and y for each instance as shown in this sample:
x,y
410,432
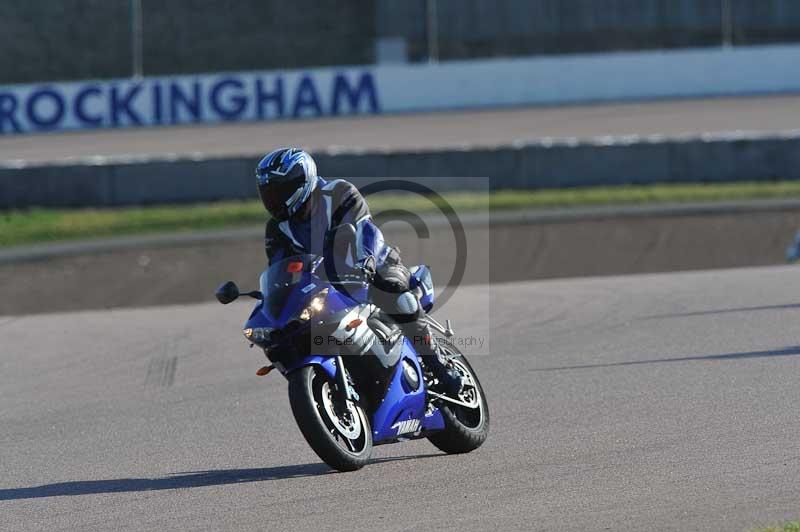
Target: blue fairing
x,y
325,362
258,318
402,403
308,286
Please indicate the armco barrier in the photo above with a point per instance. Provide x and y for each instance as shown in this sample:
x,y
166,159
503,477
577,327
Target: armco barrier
x,y
542,164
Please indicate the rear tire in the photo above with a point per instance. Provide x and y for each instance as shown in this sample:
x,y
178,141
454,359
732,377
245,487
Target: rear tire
x,y
342,442
465,428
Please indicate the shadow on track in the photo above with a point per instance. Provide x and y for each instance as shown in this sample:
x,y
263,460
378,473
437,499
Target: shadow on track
x,y
193,479
720,311
788,351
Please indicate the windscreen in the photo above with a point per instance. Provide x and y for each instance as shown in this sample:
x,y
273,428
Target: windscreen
x,y
278,280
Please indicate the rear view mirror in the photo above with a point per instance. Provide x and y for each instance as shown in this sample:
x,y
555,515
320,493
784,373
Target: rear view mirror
x,y
227,292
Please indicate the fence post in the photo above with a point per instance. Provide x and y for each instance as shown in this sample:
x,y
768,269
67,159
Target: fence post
x,y
432,27
136,38
726,23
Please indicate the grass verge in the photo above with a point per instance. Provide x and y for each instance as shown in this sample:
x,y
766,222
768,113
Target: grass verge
x,y
793,526
47,225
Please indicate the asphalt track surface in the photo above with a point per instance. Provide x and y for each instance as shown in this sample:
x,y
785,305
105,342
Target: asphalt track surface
x,y
419,131
664,402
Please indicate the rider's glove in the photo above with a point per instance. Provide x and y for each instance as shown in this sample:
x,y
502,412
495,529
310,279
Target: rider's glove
x,y
367,265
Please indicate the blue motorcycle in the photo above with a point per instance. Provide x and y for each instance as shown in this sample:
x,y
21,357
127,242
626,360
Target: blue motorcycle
x,y
354,380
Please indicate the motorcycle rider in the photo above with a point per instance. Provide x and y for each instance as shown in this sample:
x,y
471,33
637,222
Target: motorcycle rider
x,y
304,208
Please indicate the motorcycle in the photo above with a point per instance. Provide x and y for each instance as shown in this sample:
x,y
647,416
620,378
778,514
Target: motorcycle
x,y
355,381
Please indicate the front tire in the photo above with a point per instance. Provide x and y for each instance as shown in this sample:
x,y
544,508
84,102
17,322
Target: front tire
x,y
465,429
344,442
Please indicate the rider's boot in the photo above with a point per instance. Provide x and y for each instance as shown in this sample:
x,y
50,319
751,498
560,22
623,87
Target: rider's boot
x,y
424,342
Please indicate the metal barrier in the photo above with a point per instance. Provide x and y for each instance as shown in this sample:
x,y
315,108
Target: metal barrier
x,y
536,165
155,38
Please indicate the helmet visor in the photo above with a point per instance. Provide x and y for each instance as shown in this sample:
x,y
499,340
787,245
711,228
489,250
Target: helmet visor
x,y
274,195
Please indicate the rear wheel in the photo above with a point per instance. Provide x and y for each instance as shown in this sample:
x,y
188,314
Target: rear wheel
x,y
343,440
466,425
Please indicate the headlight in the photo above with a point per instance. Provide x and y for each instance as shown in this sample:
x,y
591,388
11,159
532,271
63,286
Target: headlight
x,y
315,306
258,335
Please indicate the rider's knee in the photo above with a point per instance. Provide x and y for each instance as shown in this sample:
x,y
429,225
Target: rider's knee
x,y
407,305
406,308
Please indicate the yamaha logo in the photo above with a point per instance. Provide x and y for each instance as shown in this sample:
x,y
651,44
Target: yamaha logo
x,y
404,427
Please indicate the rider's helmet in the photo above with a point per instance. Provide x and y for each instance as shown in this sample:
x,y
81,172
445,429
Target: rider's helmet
x,y
286,179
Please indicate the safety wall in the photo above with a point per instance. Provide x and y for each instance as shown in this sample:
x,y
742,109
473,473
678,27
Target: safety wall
x,y
582,242
618,161
300,94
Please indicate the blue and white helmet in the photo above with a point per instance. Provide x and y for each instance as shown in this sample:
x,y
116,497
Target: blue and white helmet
x,y
286,179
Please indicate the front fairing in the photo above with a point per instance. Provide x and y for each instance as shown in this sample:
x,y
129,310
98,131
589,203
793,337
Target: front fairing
x,y
276,311
289,286
284,303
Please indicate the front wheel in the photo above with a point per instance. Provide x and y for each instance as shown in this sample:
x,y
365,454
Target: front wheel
x,y
343,440
465,427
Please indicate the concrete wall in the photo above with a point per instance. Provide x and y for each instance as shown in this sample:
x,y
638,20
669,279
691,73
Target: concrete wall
x,y
170,272
538,165
301,94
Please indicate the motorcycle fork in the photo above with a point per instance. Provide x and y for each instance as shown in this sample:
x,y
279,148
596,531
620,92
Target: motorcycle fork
x,y
344,392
